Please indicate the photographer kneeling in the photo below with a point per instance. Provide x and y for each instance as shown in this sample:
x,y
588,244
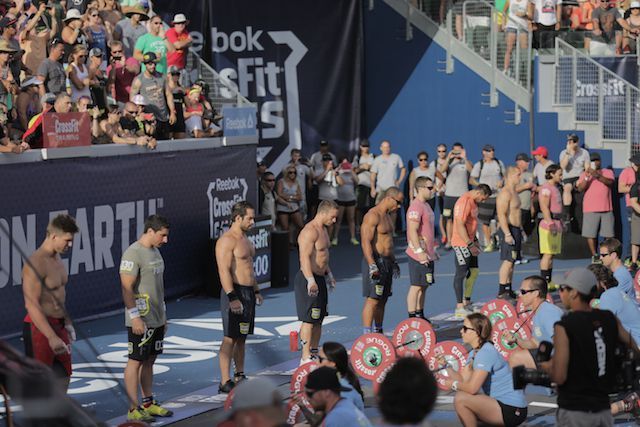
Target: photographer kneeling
x,y
501,404
544,315
584,364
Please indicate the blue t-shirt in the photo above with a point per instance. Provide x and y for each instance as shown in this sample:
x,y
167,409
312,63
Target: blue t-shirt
x,y
345,414
352,395
625,309
546,316
625,281
499,382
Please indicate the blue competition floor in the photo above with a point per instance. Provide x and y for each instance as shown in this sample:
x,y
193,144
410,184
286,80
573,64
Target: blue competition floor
x,y
189,362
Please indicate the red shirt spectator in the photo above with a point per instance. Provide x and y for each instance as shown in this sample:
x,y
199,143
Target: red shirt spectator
x,y
120,77
181,40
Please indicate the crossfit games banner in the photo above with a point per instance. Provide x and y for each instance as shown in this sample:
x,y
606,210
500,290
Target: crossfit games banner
x,y
110,197
587,90
300,61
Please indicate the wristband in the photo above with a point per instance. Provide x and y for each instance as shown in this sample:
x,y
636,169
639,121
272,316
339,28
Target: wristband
x,y
256,291
134,313
470,243
418,251
232,296
508,235
454,386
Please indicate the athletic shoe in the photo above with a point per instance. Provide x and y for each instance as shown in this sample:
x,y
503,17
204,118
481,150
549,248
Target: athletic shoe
x,y
156,410
490,247
627,262
507,295
312,358
239,377
553,286
354,241
460,314
631,403
595,260
521,261
140,414
334,242
226,387
444,240
447,247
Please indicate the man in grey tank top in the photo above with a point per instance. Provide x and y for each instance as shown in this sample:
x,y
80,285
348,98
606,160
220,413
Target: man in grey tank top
x,y
141,276
155,89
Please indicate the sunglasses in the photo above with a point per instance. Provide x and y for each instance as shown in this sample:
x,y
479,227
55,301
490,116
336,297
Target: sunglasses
x,y
442,151
526,291
94,16
398,203
423,159
429,187
465,328
601,255
116,51
291,172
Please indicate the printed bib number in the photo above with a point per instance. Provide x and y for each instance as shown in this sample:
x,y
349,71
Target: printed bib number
x,y
142,303
244,328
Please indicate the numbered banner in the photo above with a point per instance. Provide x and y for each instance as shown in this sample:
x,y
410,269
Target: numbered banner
x,y
260,236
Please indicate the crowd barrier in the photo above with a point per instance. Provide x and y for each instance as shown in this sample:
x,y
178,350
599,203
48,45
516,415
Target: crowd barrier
x,y
110,190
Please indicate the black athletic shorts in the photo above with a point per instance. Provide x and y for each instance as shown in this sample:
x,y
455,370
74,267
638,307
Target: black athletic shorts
x,y
162,130
511,415
464,258
510,252
420,274
238,325
440,203
150,343
310,309
363,198
448,205
346,204
570,180
487,210
381,288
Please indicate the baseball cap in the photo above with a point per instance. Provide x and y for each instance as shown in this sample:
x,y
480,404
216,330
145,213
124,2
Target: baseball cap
x,y
7,21
132,62
488,147
635,159
364,143
255,393
580,279
573,137
323,142
541,151
96,51
149,57
72,14
324,378
55,41
31,81
594,156
48,98
179,19
173,70
523,156
326,157
634,5
139,100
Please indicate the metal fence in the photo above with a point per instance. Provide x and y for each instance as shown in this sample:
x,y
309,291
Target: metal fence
x,y
596,96
492,35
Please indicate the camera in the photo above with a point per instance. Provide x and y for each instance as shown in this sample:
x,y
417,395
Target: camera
x,y
523,376
628,375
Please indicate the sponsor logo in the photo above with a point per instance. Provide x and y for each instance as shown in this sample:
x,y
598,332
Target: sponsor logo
x,y
223,193
611,87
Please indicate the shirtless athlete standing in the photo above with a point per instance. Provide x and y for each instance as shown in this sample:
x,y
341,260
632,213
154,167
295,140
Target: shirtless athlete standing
x,y
509,230
379,264
240,292
48,331
310,285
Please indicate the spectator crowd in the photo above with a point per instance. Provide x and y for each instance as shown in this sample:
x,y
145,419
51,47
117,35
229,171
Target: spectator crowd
x,y
113,60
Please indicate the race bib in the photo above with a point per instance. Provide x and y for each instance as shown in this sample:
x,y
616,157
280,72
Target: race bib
x,y
244,328
379,290
429,277
315,313
446,212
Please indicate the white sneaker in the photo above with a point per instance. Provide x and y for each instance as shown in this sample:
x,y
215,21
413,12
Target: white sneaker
x,y
521,261
460,314
305,360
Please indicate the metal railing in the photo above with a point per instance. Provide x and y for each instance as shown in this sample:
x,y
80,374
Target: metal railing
x,y
493,36
596,95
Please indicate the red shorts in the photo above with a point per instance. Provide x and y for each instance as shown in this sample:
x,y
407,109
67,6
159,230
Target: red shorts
x,y
37,345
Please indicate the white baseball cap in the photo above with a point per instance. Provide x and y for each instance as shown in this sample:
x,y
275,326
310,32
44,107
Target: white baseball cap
x,y
179,19
139,100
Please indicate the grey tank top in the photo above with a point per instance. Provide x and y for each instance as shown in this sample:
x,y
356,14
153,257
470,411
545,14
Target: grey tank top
x,y
152,88
289,190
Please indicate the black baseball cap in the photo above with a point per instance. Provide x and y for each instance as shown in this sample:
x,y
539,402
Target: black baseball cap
x,y
488,147
635,159
326,157
573,137
324,378
594,156
364,143
324,142
523,156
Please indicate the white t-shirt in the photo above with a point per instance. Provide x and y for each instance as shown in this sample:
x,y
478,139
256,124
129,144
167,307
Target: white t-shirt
x,y
545,11
364,177
576,163
387,168
517,7
540,172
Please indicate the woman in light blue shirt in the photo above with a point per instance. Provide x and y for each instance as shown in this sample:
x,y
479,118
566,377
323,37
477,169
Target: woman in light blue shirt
x,y
500,404
334,355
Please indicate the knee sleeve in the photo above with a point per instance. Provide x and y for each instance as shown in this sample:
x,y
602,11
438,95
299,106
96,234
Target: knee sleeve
x,y
470,281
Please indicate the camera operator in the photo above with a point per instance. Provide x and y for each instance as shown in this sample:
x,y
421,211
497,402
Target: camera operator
x,y
544,315
584,365
614,299
500,404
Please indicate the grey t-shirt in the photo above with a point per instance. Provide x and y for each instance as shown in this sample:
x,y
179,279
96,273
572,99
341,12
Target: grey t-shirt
x,y
364,177
347,191
147,265
457,178
525,196
129,34
607,19
386,168
328,188
492,173
55,79
316,161
152,88
576,163
540,172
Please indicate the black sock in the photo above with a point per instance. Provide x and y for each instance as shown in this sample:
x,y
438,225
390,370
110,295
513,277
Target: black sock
x,y
566,211
146,401
503,289
419,313
412,314
546,274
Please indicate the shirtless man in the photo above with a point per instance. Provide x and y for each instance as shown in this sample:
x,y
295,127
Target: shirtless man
x,y
48,331
509,230
109,130
240,292
379,264
310,285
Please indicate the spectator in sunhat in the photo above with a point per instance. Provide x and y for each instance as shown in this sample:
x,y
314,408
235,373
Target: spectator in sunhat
x,y
181,40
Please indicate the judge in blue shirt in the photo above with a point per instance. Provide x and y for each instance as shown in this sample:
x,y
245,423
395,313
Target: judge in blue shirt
x,y
533,294
500,404
610,255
